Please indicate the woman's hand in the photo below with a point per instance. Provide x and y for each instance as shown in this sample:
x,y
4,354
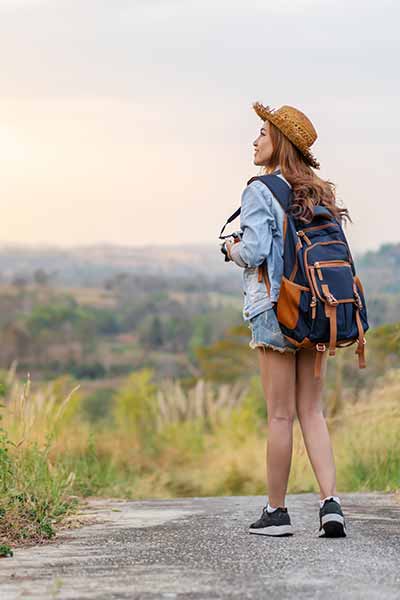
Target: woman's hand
x,y
228,244
224,251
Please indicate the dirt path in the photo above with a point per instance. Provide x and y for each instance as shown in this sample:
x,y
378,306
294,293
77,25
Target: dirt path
x,y
199,548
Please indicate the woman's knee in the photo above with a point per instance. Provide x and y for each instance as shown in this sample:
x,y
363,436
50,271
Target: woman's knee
x,y
282,417
309,412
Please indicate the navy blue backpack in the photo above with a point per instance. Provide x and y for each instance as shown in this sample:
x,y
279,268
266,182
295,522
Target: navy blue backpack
x,y
321,301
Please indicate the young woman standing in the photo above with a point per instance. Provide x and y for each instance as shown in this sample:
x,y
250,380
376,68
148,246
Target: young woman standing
x,y
283,148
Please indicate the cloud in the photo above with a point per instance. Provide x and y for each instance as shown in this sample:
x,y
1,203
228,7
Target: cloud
x,y
18,4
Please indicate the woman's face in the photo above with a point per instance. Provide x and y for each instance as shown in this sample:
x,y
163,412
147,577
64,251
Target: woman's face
x,y
263,146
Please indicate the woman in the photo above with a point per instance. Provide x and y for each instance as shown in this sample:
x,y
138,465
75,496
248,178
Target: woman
x,y
283,148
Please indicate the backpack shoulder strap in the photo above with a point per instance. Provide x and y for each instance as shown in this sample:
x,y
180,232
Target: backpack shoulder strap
x,y
278,187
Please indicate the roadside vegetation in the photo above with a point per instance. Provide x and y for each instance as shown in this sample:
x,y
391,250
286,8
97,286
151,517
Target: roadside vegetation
x,y
171,438
128,374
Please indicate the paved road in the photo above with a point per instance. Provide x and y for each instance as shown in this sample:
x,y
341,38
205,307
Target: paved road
x,y
199,548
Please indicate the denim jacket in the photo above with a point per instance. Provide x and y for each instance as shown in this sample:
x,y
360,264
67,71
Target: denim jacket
x,y
261,221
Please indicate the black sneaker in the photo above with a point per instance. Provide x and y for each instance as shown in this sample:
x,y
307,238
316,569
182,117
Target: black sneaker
x,y
276,523
331,520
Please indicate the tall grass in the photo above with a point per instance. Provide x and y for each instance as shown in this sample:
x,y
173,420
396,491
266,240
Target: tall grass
x,y
163,441
34,490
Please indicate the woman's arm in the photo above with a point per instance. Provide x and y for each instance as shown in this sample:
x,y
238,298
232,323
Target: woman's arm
x,y
258,225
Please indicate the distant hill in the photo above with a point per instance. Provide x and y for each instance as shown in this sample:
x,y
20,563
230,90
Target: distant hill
x,y
381,269
189,267
90,265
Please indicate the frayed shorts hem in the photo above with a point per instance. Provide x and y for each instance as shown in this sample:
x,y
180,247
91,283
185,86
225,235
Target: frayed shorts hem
x,y
254,345
266,333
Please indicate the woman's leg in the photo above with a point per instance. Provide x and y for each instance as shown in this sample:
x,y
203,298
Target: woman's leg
x,y
312,421
278,373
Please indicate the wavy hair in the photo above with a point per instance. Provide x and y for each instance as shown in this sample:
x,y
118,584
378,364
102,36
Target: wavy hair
x,y
309,190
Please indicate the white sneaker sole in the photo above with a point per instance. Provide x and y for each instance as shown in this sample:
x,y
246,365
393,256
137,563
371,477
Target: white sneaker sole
x,y
275,530
332,526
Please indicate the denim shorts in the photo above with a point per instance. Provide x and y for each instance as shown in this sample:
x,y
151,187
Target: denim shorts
x,y
266,332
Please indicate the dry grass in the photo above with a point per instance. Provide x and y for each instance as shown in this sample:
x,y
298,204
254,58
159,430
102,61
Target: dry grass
x,y
168,442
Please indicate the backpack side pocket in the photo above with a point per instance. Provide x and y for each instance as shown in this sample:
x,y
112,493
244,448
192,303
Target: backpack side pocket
x,y
293,303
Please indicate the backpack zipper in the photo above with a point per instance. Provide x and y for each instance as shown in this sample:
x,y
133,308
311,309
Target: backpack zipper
x,y
326,263
333,263
319,227
307,267
344,300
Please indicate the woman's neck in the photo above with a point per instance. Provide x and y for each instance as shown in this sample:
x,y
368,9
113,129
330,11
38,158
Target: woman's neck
x,y
271,171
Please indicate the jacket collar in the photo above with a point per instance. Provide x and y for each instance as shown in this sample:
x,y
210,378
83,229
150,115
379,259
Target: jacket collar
x,y
276,171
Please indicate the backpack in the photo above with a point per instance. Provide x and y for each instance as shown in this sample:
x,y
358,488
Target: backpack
x,y
321,301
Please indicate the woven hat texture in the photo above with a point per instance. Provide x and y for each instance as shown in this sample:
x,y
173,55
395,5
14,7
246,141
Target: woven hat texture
x,y
295,125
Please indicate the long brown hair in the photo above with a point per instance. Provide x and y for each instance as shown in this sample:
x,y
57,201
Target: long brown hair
x,y
309,190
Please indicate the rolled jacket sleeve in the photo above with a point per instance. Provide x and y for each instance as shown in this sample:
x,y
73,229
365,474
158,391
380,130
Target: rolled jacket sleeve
x,y
257,223
235,255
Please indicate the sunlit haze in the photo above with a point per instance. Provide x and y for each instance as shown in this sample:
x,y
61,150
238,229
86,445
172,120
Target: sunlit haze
x,y
130,122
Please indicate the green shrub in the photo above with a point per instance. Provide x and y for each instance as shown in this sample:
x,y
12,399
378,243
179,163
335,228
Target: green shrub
x,y
135,408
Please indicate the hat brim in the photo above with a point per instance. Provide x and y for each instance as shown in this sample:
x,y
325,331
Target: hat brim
x,y
266,113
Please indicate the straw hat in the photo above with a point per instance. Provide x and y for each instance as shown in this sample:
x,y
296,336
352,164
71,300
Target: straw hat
x,y
294,125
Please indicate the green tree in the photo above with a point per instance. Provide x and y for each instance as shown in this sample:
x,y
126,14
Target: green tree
x,y
155,337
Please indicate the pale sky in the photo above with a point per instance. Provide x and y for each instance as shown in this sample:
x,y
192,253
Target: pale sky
x,y
130,122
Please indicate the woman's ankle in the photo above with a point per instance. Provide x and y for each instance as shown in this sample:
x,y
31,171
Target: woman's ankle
x,y
323,495
277,504
334,496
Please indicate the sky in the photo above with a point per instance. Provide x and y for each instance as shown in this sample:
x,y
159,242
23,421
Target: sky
x,y
130,122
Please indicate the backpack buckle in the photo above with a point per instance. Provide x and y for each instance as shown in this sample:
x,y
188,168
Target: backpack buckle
x,y
329,297
302,235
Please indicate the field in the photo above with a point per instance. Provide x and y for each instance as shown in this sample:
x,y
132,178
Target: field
x,y
165,441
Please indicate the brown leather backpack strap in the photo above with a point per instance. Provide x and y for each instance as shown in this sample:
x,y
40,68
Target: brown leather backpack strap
x,y
284,227
361,342
263,274
331,313
319,352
